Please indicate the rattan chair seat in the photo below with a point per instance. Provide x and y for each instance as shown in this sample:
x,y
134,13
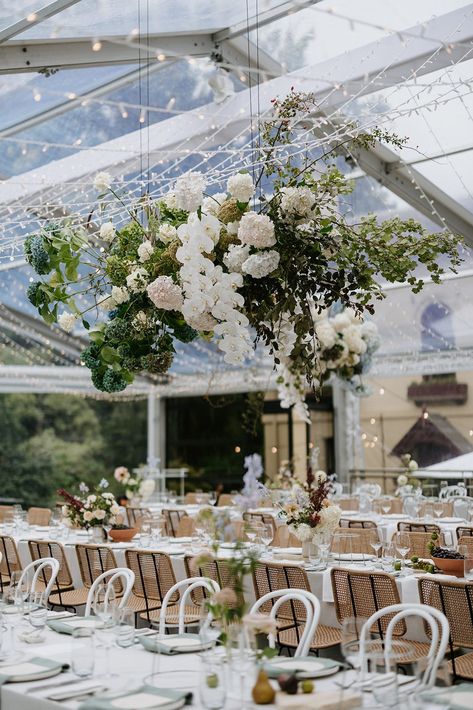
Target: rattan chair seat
x,y
463,666
192,614
71,597
325,636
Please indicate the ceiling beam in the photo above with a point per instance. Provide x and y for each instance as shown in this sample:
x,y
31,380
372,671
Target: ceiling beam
x,y
243,57
35,18
263,18
19,56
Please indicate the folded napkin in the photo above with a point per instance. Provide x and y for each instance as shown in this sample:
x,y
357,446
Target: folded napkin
x,y
67,626
287,557
460,696
171,645
329,700
145,697
31,669
304,667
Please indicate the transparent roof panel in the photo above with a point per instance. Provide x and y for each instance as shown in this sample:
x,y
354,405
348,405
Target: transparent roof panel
x,y
11,12
158,16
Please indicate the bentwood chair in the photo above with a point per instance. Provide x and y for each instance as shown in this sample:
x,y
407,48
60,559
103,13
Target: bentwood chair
x,y
219,571
6,512
283,537
10,560
419,543
360,524
135,515
188,587
455,600
466,541
438,631
125,577
185,527
39,516
263,518
274,577
225,499
282,597
348,503
63,593
353,540
362,594
464,531
40,575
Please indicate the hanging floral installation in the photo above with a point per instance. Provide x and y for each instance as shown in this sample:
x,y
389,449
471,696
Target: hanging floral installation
x,y
261,262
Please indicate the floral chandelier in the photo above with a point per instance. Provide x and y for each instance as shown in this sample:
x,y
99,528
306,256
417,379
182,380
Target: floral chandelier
x,y
194,265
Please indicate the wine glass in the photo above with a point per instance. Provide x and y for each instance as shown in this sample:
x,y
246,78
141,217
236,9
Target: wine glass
x,y
388,556
103,606
323,543
375,542
267,536
251,531
350,640
386,505
403,545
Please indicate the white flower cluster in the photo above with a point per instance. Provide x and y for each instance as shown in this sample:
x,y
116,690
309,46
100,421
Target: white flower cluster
x,y
137,280
164,293
257,230
297,202
261,264
329,519
188,191
145,251
67,321
107,232
241,187
350,335
102,181
211,299
291,392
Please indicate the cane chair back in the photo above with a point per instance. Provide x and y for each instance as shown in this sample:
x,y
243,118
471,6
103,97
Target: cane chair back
x,y
94,560
445,505
466,541
348,503
218,571
185,527
224,499
49,548
39,516
6,513
455,600
263,518
283,537
135,515
173,518
419,543
408,526
360,524
361,594
10,559
464,531
275,577
190,498
353,540
154,576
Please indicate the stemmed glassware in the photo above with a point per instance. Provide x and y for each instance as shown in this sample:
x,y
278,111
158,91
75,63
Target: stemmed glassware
x,y
403,545
267,535
385,505
375,542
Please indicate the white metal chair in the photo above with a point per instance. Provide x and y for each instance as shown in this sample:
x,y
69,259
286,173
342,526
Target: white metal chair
x,y
109,577
373,490
439,630
453,492
40,570
312,607
461,507
190,584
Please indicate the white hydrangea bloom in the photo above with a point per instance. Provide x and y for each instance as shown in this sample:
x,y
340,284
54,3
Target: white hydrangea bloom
x,y
235,257
164,293
241,187
211,205
145,251
353,339
120,295
303,532
102,181
261,264
106,304
137,280
297,202
188,191
170,201
232,228
341,321
256,230
167,233
107,231
67,321
326,335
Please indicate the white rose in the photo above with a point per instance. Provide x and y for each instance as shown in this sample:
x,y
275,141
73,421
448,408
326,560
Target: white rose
x,y
92,498
167,233
303,532
137,280
241,187
107,232
114,509
102,182
67,321
100,514
88,516
145,251
320,477
131,481
413,465
120,295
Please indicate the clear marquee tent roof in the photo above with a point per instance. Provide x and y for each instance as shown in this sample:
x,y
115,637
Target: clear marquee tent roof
x,y
89,85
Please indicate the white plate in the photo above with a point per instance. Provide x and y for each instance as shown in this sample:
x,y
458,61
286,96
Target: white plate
x,y
306,668
353,557
29,670
178,540
449,520
395,516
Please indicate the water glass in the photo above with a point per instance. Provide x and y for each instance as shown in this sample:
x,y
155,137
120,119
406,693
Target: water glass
x,y
124,626
83,652
384,688
350,640
212,687
37,611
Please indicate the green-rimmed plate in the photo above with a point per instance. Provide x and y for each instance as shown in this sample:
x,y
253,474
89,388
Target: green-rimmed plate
x,y
306,667
30,669
67,626
145,697
173,644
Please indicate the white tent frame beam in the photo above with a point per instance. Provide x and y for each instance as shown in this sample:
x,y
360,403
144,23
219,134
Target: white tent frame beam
x,y
35,18
265,17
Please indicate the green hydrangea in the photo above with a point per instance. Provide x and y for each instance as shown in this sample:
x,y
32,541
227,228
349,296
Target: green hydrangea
x,y
91,356
128,239
117,329
36,254
129,362
36,295
113,382
157,363
97,379
116,270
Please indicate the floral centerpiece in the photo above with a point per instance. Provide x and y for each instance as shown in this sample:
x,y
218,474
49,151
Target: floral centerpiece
x,y
312,515
259,262
137,487
91,508
407,484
